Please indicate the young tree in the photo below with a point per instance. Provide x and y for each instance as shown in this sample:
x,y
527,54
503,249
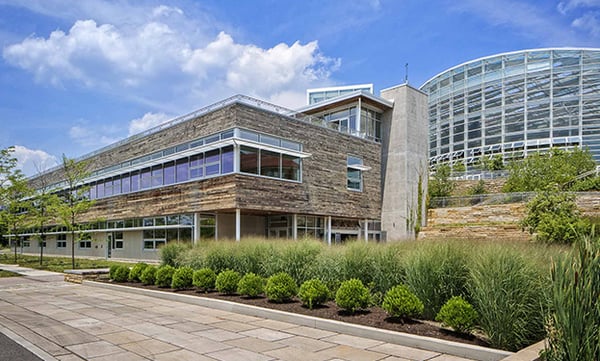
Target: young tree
x,y
14,193
41,212
73,200
440,185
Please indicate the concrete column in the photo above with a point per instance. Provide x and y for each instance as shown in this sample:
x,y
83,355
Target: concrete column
x,y
328,230
294,226
216,226
238,224
196,235
366,230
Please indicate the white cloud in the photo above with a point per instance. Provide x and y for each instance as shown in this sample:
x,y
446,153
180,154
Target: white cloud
x,y
33,161
91,137
589,22
569,5
159,61
149,120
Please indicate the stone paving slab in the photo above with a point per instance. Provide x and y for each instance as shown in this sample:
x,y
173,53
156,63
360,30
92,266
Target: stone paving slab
x,y
73,322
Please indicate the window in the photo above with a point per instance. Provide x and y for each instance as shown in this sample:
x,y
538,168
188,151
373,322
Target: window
x,y
117,242
227,160
85,244
212,162
182,169
26,243
269,163
354,173
290,167
248,160
61,244
61,237
196,166
153,244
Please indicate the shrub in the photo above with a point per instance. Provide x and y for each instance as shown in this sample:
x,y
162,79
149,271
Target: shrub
x,y
281,287
171,253
182,278
204,279
251,285
435,273
458,314
227,281
136,272
400,302
112,270
313,292
148,276
574,327
120,274
508,293
352,295
164,276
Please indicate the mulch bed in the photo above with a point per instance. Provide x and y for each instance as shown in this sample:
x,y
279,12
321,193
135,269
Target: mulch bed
x,y
373,317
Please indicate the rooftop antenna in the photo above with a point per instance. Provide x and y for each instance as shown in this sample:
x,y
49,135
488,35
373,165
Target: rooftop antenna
x,y
406,73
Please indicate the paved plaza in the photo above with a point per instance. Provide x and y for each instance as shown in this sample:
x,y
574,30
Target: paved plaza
x,y
57,320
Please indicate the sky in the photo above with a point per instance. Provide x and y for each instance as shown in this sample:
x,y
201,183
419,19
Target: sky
x,y
78,75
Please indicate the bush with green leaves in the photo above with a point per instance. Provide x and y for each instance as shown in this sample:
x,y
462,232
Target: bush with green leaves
x,y
120,274
204,279
172,252
281,287
136,271
353,295
148,276
458,314
164,276
435,272
574,322
441,185
182,278
251,285
510,295
553,217
400,302
112,270
313,293
227,281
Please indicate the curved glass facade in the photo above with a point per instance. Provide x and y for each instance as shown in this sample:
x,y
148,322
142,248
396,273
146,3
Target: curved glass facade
x,y
515,103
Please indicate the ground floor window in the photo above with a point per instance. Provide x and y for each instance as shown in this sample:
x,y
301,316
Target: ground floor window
x,y
26,243
207,224
153,244
61,244
85,244
117,240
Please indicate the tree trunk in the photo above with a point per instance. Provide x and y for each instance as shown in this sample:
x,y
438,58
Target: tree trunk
x,y
15,250
42,249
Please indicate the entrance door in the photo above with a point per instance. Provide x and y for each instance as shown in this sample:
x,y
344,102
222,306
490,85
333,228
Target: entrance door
x,y
109,246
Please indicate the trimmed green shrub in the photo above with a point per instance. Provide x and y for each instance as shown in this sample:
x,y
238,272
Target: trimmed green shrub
x,y
227,281
458,314
574,323
204,279
112,270
251,285
171,253
281,287
436,272
182,278
148,276
508,292
120,274
352,295
164,276
313,292
400,302
136,271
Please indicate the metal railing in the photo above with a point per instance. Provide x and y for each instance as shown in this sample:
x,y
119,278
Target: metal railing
x,y
480,199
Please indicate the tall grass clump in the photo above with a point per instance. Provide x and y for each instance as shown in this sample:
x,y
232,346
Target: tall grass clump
x,y
294,258
328,267
389,268
359,261
435,272
220,256
171,253
508,292
250,256
574,322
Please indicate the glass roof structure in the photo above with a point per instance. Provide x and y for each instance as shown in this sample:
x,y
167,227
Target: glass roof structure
x,y
514,104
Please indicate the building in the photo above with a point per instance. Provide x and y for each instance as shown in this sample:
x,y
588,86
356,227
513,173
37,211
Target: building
x,y
319,94
515,103
347,167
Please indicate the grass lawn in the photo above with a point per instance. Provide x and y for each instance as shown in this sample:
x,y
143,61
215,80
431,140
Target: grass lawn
x,y
8,274
56,264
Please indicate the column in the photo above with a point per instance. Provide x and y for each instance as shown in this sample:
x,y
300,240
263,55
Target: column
x,y
294,226
328,231
366,226
238,222
196,235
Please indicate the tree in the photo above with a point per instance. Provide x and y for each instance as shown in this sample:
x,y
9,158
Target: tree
x,y
553,217
539,170
14,196
73,199
440,185
491,163
41,213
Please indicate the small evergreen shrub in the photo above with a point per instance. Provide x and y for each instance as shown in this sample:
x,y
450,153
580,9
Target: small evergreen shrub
x,y
251,285
458,314
121,274
281,287
182,278
313,293
400,302
164,276
227,281
136,272
353,295
204,279
148,276
112,270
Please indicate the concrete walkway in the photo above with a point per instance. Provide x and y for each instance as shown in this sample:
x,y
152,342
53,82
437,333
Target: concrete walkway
x,y
61,321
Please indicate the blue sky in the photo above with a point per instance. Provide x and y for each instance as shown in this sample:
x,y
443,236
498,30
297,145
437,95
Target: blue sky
x,y
76,75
